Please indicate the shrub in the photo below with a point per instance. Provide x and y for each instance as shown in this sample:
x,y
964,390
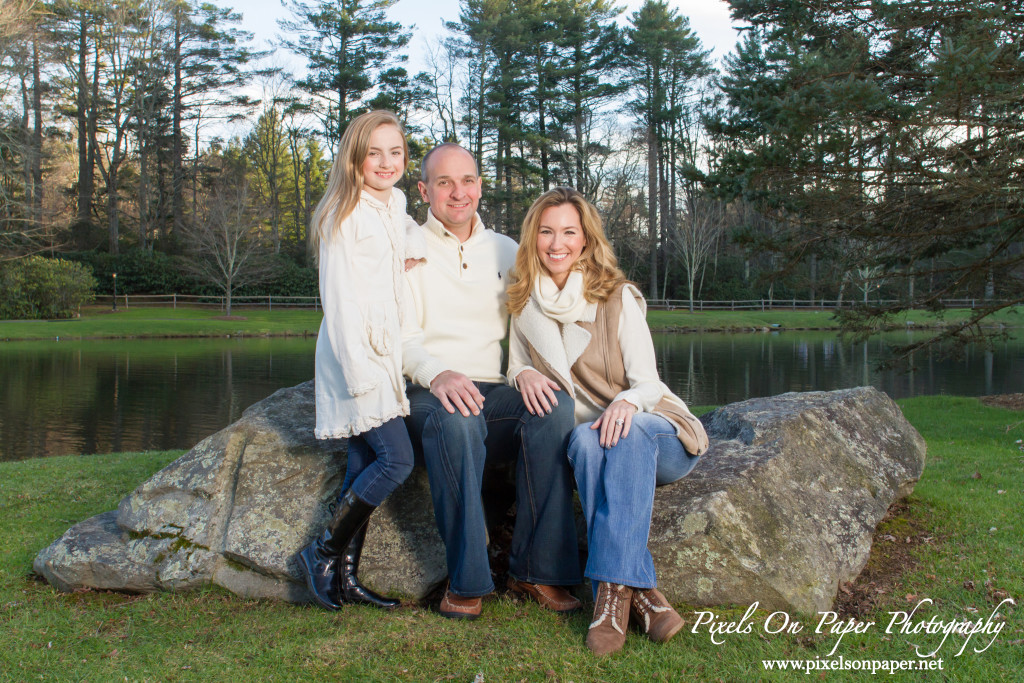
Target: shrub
x,y
287,279
38,287
138,272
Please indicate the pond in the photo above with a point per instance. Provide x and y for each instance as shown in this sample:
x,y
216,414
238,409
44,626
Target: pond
x,y
108,396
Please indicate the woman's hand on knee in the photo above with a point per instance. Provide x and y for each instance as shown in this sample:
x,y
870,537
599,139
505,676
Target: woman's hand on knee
x,y
614,422
538,391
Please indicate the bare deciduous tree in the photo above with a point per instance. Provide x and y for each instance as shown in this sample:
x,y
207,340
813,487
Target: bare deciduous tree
x,y
695,238
228,243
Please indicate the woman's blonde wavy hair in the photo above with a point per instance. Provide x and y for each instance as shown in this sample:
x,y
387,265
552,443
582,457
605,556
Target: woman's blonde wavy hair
x,y
346,180
597,262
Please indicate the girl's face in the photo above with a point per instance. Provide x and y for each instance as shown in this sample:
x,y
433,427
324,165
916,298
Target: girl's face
x,y
384,161
560,241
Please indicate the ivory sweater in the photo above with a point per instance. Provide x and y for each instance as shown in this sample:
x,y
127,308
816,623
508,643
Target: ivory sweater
x,y
457,297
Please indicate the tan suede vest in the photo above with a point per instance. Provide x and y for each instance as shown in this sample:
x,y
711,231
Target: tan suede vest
x,y
599,372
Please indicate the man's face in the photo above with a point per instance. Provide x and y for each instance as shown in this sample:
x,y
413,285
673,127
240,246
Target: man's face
x,y
452,188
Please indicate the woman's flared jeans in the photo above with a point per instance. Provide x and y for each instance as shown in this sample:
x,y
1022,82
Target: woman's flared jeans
x,y
616,488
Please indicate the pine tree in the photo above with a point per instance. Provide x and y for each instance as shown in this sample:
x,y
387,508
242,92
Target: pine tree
x,y
666,59
349,45
886,139
209,58
591,48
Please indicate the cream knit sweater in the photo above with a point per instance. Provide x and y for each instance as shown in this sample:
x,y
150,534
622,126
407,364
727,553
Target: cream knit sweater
x,y
458,317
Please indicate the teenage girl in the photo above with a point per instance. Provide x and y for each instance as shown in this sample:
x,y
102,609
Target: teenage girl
x,y
360,231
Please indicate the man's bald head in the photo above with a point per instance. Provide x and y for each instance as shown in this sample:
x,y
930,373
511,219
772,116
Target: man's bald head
x,y
443,149
450,183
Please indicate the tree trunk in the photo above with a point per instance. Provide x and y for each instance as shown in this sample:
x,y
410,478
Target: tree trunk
x,y
143,194
578,122
664,227
652,204
307,201
542,122
177,144
85,158
113,216
37,137
93,123
509,201
814,277
112,209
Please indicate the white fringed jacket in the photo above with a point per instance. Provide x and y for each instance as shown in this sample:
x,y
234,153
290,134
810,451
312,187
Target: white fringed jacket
x,y
359,382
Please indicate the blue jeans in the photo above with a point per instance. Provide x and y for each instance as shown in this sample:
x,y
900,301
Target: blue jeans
x,y
378,461
455,450
616,487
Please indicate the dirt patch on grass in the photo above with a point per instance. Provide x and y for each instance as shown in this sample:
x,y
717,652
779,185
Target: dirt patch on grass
x,y
901,531
1007,401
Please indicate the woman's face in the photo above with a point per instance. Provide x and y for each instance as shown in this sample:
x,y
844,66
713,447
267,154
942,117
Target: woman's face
x,y
560,241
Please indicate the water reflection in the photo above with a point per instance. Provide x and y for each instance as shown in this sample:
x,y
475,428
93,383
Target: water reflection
x,y
721,368
96,397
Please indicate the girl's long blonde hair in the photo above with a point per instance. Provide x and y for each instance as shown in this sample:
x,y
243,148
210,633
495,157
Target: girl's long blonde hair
x,y
346,179
597,262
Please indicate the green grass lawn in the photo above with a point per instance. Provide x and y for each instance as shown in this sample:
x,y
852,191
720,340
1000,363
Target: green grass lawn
x,y
805,320
206,322
166,322
968,505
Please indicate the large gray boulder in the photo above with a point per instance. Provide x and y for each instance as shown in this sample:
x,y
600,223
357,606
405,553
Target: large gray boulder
x,y
783,506
780,510
236,509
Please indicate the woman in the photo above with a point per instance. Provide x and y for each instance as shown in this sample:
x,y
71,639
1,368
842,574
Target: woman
x,y
578,326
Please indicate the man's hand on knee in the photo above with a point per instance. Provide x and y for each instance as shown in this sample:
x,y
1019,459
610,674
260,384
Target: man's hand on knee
x,y
456,391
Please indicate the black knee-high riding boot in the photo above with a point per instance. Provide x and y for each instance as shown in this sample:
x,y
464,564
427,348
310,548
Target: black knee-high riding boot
x,y
320,560
349,588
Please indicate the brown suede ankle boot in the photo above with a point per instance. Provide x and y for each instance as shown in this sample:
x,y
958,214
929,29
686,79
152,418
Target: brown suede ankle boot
x,y
655,615
607,632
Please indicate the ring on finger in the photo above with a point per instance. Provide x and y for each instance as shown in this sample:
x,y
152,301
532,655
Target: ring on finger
x,y
620,422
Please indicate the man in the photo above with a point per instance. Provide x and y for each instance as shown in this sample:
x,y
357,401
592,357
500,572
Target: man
x,y
462,409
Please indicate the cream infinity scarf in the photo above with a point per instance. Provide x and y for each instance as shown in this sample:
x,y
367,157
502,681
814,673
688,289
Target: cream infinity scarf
x,y
565,305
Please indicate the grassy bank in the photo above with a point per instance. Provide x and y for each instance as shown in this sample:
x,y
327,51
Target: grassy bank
x,y
963,518
98,323
165,322
738,321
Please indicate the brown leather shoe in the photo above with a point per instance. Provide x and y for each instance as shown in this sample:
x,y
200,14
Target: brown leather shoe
x,y
554,598
655,616
607,633
457,607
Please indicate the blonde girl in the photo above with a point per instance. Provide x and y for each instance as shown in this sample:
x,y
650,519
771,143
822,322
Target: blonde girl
x,y
360,232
